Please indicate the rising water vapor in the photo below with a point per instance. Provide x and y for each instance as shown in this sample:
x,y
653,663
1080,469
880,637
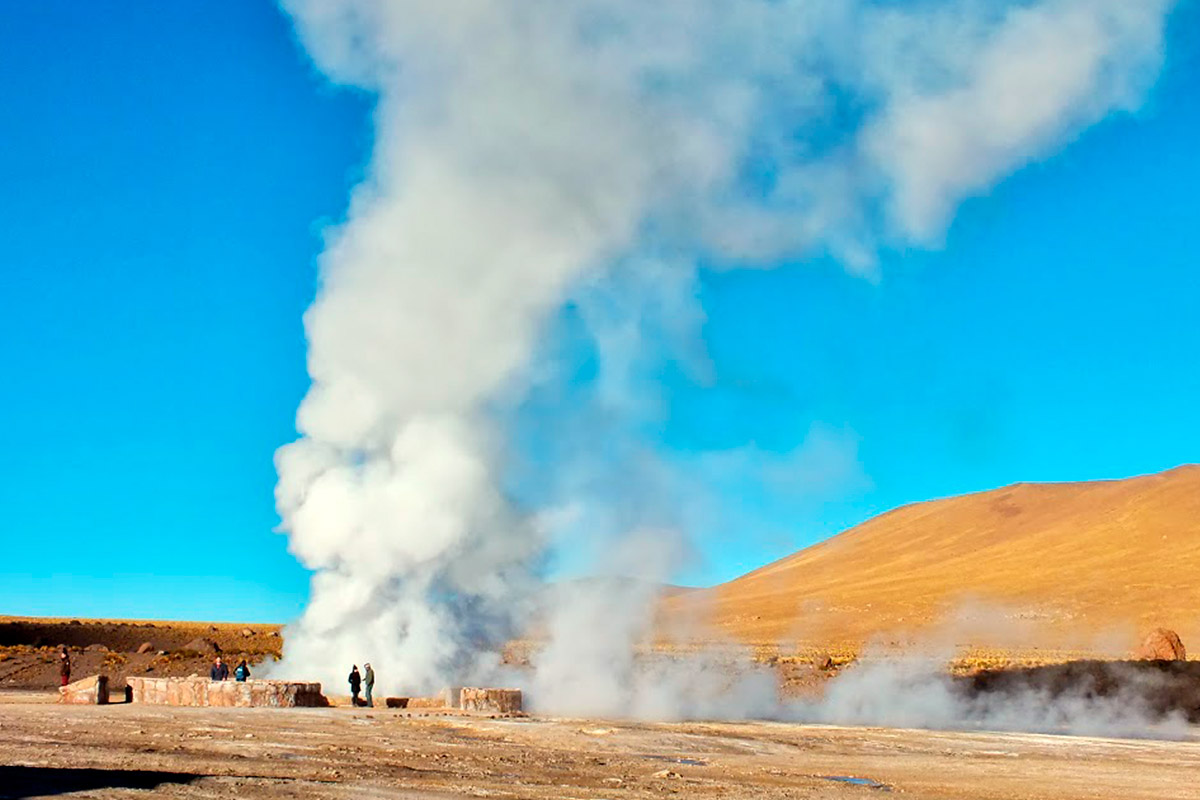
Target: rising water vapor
x,y
526,150
915,690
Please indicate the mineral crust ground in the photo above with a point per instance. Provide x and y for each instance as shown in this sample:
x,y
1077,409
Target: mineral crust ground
x,y
139,751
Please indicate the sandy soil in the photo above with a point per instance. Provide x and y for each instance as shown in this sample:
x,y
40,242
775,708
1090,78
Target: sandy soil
x,y
123,750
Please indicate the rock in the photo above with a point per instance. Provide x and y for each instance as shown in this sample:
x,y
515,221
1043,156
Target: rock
x,y
246,632
1161,645
145,647
823,662
96,648
202,645
667,773
89,691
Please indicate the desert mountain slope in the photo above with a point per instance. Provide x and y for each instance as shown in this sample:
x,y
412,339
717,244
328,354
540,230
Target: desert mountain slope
x,y
1072,559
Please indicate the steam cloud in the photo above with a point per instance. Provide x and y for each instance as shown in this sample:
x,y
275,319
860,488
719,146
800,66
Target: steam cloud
x,y
531,152
915,691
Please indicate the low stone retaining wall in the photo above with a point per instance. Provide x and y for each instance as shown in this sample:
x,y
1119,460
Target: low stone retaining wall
x,y
495,701
492,701
231,694
91,691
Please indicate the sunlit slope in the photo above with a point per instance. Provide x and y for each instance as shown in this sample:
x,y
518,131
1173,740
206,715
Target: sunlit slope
x,y
1080,557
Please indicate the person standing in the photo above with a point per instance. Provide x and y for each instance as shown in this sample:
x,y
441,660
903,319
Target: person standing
x,y
241,672
355,685
369,683
219,671
64,665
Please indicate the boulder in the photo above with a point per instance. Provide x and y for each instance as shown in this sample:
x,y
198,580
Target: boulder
x,y
202,645
145,647
1161,645
96,648
247,633
91,691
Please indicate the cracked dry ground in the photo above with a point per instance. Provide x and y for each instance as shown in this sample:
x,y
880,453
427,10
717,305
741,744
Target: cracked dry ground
x,y
127,751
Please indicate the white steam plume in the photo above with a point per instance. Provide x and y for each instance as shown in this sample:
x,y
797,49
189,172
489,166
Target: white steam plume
x,y
524,145
916,691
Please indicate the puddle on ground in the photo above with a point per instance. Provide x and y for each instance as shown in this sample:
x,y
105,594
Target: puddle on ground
x,y
867,782
691,762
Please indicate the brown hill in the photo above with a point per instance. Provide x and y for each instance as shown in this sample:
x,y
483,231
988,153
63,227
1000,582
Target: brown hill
x,y
1071,560
29,648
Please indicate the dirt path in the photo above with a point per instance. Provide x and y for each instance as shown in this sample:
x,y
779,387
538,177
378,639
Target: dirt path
x,y
123,751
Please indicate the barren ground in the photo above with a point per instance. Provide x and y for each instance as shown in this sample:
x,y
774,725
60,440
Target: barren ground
x,y
128,751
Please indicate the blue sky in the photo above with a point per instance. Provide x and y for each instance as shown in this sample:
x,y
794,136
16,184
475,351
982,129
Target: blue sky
x,y
166,178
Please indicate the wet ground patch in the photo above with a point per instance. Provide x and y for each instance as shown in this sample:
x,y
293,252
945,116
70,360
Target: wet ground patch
x,y
853,781
690,762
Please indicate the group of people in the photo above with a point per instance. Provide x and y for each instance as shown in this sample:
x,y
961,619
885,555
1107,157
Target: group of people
x,y
220,671
360,681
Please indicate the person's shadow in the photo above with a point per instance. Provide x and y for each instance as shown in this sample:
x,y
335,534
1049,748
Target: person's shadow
x,y
19,781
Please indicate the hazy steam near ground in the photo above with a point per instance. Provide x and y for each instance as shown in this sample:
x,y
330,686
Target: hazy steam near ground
x,y
531,152
916,691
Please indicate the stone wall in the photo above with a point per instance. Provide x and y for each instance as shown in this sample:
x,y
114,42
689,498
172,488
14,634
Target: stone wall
x,y
91,691
495,701
230,694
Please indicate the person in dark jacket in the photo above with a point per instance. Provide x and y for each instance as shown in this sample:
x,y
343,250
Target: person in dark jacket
x,y
64,665
368,684
355,685
219,671
241,672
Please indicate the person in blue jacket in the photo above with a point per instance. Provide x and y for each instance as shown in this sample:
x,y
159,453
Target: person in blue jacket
x,y
241,672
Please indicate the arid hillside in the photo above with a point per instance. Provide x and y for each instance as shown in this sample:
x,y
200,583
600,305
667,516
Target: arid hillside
x,y
29,648
1073,563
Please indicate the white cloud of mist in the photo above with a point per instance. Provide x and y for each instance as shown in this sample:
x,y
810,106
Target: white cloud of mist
x,y
1033,79
527,149
916,691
